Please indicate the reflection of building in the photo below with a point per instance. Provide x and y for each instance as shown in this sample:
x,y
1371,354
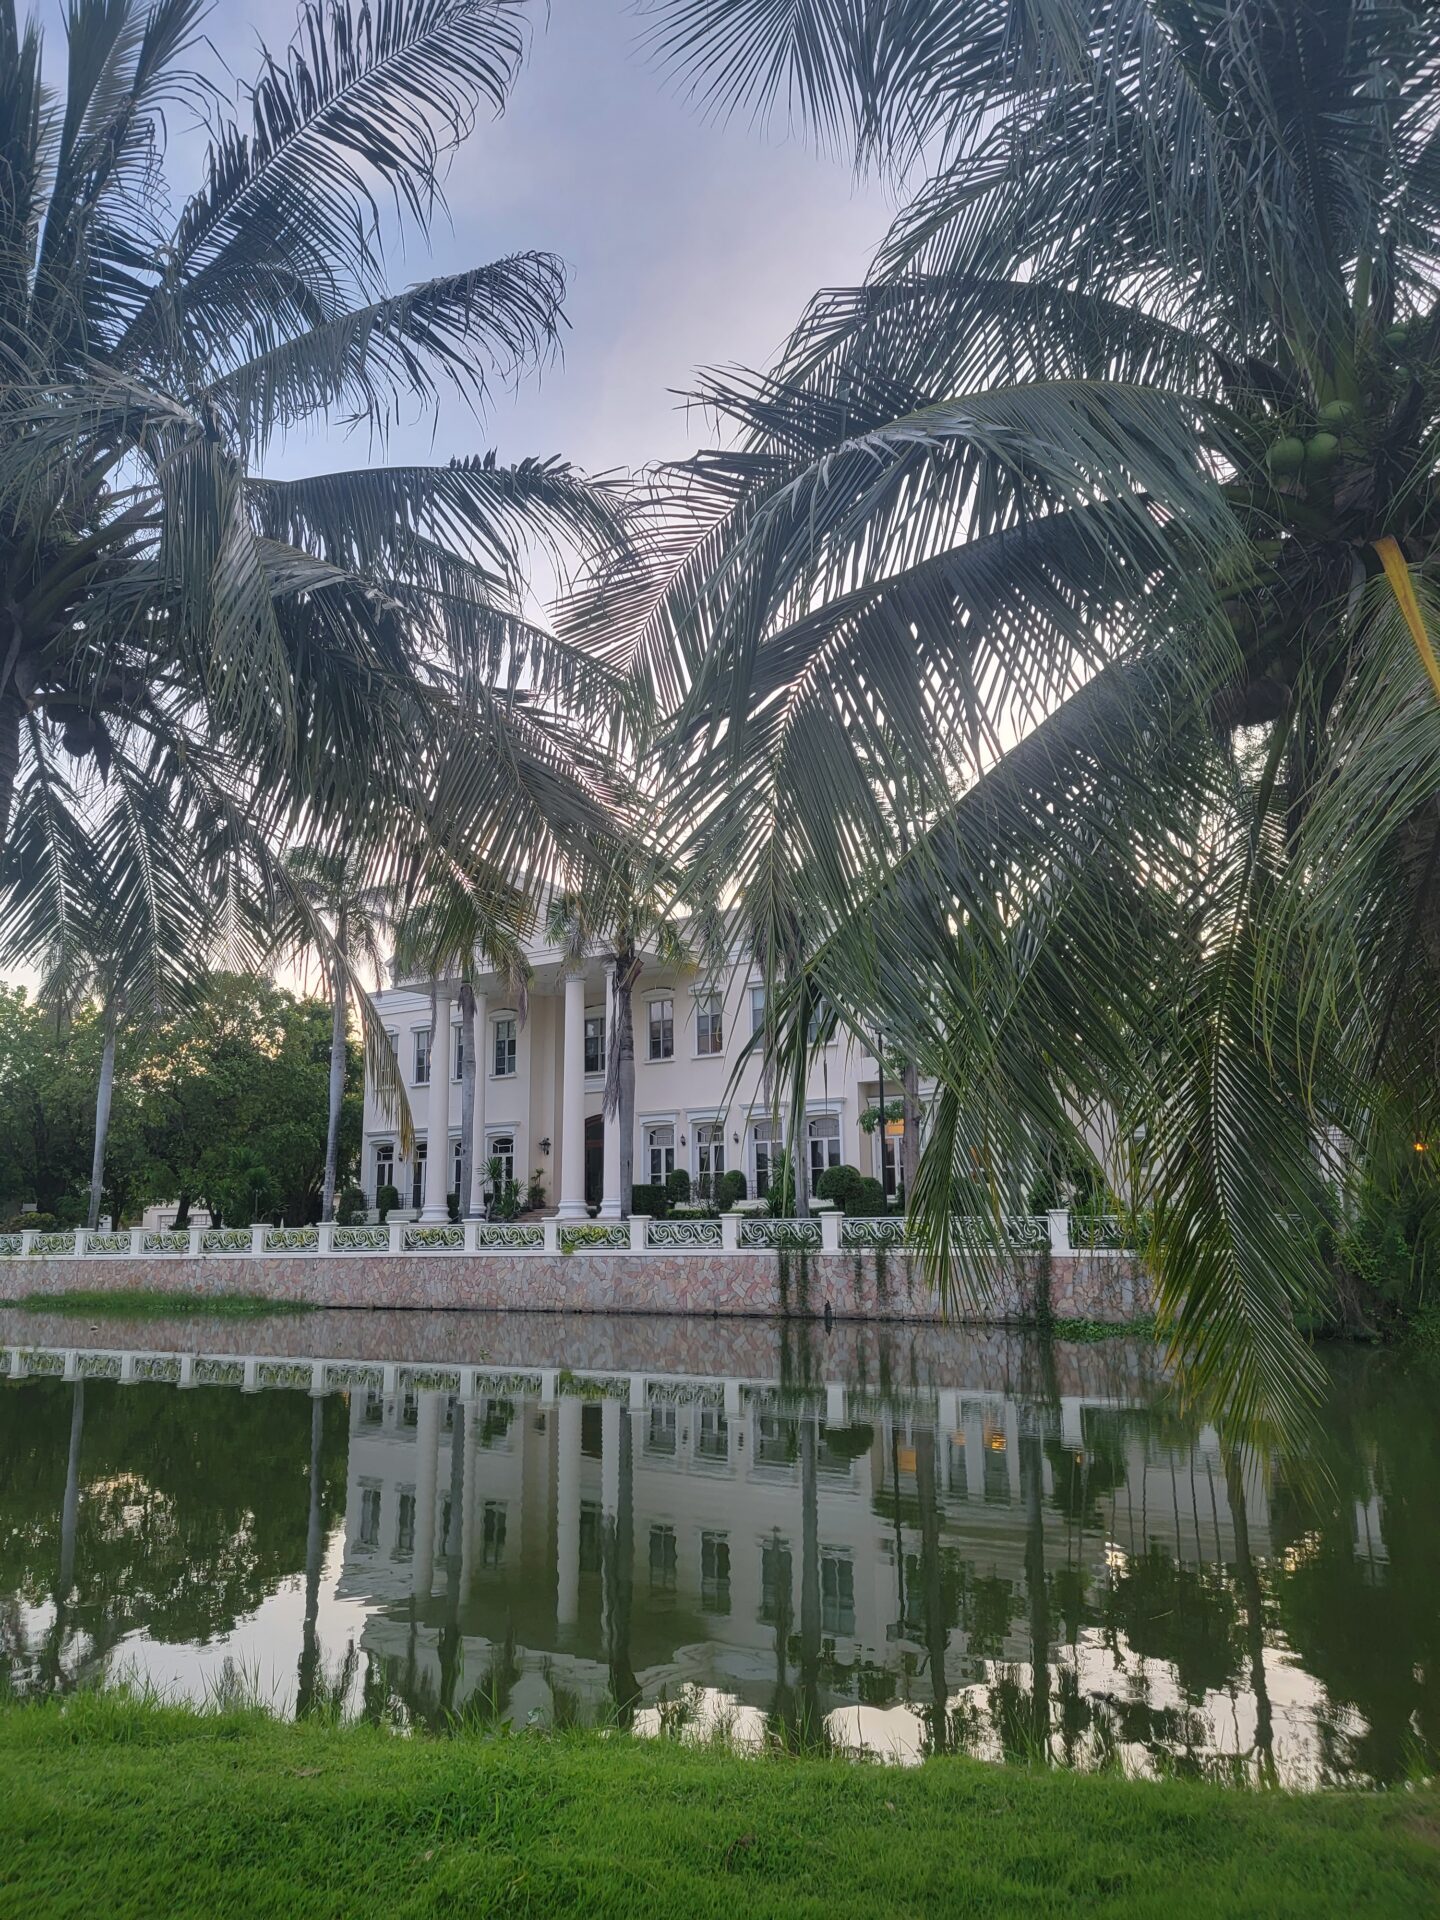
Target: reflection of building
x,y
736,1548
539,1086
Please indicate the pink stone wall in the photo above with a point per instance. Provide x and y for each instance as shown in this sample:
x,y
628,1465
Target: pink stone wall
x,y
862,1286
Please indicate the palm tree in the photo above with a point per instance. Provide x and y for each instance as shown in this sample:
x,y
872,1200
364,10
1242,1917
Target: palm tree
x,y
336,887
1100,523
331,651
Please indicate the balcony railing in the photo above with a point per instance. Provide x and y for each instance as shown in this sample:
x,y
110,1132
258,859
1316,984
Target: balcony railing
x,y
830,1231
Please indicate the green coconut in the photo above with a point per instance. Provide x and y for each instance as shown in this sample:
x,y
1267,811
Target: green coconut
x,y
1397,338
1337,414
1285,455
1321,450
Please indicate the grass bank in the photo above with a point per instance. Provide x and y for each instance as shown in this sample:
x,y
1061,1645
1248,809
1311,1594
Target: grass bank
x,y
113,1806
143,1301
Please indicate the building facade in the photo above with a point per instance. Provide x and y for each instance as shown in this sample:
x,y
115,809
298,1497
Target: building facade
x,y
539,1089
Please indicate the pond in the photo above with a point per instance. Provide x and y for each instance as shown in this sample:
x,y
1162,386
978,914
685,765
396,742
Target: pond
x,y
902,1539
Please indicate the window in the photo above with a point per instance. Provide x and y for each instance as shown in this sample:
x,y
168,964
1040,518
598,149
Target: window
x,y
421,1038
595,1040
709,1023
409,1408
888,1151
713,1436
837,1593
501,1147
393,1037
417,1176
384,1166
372,1412
822,1145
767,1156
455,1173
457,1052
505,1047
757,1009
775,1582
662,1029
492,1534
661,1437
660,1145
591,1535
663,1560
777,1439
369,1516
709,1156
715,1572
405,1522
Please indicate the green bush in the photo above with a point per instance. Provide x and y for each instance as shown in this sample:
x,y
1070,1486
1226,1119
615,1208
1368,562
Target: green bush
x,y
350,1207
869,1200
386,1199
32,1223
535,1192
849,1443
648,1200
840,1184
677,1185
729,1188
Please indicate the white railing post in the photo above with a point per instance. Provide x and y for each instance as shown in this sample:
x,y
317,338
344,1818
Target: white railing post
x,y
551,1230
187,1370
830,1221
127,1369
27,1239
396,1230
72,1364
137,1242
639,1232
325,1241
257,1237
250,1382
197,1236
82,1235
730,1232
470,1243
317,1379
1059,1219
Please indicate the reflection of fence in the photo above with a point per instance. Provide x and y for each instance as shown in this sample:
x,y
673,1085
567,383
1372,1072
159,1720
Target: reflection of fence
x,y
828,1231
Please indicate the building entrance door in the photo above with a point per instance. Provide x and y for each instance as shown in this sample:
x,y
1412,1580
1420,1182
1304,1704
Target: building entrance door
x,y
594,1159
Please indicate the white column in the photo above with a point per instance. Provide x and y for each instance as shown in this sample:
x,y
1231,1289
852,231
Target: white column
x,y
427,1464
482,1070
437,1127
567,1511
610,1206
572,1103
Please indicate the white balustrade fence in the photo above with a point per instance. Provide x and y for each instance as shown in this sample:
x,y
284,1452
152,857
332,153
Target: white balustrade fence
x,y
829,1231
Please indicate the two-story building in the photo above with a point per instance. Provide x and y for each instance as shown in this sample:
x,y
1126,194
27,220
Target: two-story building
x,y
539,1088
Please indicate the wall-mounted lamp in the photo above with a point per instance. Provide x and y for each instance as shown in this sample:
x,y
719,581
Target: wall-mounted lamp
x,y
545,1144
736,1138
683,1141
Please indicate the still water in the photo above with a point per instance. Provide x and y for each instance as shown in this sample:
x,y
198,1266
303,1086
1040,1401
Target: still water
x,y
901,1539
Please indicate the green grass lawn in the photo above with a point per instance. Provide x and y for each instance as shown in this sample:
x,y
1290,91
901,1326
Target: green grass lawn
x,y
118,1808
147,1301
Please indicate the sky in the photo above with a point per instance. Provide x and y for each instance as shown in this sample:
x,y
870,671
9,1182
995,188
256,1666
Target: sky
x,y
687,243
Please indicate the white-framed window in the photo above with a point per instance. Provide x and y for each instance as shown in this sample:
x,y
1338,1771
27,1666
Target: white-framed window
x,y
662,1029
822,1145
594,1040
384,1165
660,1150
369,1516
405,1521
837,1592
664,1559
417,1175
757,1009
393,1036
715,1572
457,1051
767,1146
709,1155
501,1147
503,1061
421,1038
887,1158
709,1024
455,1173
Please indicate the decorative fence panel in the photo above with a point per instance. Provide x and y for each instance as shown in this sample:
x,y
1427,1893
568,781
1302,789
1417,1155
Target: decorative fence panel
x,y
509,1236
858,1235
292,1239
596,1238
781,1235
433,1239
682,1236
226,1240
361,1240
107,1243
165,1242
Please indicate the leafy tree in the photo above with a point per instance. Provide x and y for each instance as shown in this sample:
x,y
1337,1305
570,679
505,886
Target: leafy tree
x,y
1093,535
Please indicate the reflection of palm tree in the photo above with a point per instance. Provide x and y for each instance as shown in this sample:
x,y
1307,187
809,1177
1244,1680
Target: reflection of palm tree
x,y
617,1556
306,1685
812,1727
451,1643
936,1637
1032,1489
1254,1613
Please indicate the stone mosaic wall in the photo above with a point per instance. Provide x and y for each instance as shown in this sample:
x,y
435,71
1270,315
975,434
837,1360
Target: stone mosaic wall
x,y
864,1286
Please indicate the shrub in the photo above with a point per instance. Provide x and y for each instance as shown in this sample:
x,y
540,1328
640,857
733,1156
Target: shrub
x,y
350,1207
32,1223
648,1200
535,1192
870,1199
452,1205
852,1442
677,1185
840,1184
729,1188
385,1199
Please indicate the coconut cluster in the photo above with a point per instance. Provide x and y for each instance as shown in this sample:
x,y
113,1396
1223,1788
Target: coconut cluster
x,y
1288,455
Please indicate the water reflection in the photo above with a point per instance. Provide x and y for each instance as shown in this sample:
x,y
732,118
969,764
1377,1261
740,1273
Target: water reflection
x,y
1053,1568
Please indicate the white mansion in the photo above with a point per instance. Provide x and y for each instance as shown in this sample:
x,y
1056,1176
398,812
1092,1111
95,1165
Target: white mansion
x,y
540,1084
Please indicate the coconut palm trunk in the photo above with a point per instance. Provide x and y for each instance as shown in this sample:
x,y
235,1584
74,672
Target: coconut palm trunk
x,y
468,1068
102,1109
620,1082
339,1022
